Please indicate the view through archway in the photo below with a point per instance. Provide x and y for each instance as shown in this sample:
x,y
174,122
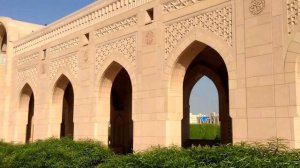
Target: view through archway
x,y
210,127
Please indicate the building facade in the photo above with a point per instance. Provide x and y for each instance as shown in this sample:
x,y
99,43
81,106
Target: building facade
x,y
121,71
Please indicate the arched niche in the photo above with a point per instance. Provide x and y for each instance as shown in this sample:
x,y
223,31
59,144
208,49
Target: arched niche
x,y
63,108
116,107
24,129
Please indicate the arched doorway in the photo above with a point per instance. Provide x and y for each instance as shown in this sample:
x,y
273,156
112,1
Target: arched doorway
x,y
67,124
26,113
63,106
210,64
121,124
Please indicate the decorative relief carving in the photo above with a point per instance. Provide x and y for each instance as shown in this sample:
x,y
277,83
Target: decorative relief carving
x,y
218,22
149,38
65,45
121,25
55,31
256,6
126,46
69,61
178,4
27,58
293,12
28,74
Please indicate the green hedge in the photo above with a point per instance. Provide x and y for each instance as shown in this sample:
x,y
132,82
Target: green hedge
x,y
205,131
207,157
54,153
67,153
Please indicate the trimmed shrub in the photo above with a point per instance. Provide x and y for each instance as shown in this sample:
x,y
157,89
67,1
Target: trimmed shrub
x,y
157,157
245,156
59,153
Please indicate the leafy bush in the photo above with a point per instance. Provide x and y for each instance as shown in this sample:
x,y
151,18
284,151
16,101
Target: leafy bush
x,y
272,155
157,157
205,131
68,153
58,153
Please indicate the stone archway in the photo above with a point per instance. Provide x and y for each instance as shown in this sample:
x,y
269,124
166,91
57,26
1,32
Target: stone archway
x,y
207,63
121,124
177,66
63,108
115,105
24,130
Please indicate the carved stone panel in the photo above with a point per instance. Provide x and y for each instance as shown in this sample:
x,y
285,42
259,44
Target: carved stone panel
x,y
28,74
69,61
27,58
63,46
256,6
293,12
125,46
217,21
120,25
178,4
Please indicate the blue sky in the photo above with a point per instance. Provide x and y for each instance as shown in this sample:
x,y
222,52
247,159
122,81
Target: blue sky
x,y
40,11
204,96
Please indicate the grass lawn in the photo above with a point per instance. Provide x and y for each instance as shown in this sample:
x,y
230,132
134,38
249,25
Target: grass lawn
x,y
205,131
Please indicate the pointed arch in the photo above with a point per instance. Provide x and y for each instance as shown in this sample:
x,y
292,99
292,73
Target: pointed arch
x,y
109,83
291,69
177,65
24,127
62,109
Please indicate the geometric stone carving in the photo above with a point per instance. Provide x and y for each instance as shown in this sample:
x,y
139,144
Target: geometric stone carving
x,y
28,74
218,21
123,24
293,11
65,45
256,6
126,46
28,58
178,4
69,61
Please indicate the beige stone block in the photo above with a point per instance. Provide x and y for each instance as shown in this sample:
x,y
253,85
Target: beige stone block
x,y
252,33
296,122
265,112
259,50
241,66
238,98
257,20
277,6
240,128
279,60
239,12
284,129
282,112
260,96
240,39
277,31
282,96
261,128
289,77
260,65
293,94
260,81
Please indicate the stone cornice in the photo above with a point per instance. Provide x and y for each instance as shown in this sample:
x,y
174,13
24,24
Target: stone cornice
x,y
79,20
